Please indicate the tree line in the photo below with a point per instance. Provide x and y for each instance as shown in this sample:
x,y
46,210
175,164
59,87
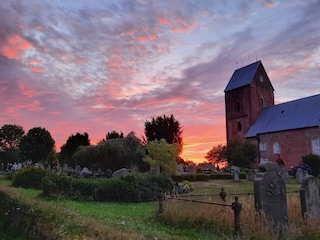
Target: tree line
x,y
160,147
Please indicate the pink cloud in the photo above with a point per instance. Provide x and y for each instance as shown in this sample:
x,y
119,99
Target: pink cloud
x,y
36,69
163,21
184,29
148,38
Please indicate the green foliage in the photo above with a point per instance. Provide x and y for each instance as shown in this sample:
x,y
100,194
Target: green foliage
x,y
37,144
314,162
238,153
71,145
114,134
29,177
163,154
191,177
10,136
132,188
164,127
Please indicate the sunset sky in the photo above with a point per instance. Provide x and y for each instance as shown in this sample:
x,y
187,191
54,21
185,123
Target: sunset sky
x,y
101,65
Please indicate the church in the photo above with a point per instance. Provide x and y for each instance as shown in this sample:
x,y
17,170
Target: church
x,y
288,130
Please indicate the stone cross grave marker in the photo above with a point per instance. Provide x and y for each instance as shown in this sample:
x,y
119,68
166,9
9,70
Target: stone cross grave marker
x,y
309,197
270,194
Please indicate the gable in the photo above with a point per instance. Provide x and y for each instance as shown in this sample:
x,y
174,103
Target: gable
x,y
301,113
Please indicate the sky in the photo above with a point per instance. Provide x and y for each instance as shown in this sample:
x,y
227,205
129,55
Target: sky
x,y
98,66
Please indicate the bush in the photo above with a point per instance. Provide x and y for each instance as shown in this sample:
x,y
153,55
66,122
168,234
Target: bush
x,y
314,162
29,177
131,188
191,177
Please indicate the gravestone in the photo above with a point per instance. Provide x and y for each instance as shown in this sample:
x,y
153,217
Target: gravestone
x,y
251,175
310,198
270,194
299,175
119,173
235,171
285,175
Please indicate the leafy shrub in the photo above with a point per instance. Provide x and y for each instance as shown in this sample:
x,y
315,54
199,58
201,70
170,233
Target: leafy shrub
x,y
191,177
53,185
303,166
221,176
131,188
29,177
314,162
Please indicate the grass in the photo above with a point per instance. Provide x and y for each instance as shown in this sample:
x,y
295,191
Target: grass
x,y
180,220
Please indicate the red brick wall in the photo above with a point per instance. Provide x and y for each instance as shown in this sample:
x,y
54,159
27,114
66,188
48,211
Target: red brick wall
x,y
293,144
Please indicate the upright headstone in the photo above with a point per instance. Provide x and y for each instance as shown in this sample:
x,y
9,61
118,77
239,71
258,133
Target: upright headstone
x,y
299,175
235,171
309,197
285,175
251,175
270,194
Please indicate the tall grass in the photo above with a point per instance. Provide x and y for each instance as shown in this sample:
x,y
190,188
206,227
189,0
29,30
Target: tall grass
x,y
220,219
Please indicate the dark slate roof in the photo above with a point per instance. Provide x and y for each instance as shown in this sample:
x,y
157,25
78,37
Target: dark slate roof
x,y
243,76
301,113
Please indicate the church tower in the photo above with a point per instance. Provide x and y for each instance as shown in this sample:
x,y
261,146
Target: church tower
x,y
248,91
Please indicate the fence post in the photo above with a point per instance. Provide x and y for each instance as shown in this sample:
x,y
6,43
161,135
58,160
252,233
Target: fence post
x,y
161,197
236,207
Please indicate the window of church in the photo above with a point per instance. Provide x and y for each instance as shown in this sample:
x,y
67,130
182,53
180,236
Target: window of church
x,y
276,148
263,104
261,78
263,147
316,146
239,126
264,160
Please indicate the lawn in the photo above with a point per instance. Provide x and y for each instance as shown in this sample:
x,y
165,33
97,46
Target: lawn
x,y
103,220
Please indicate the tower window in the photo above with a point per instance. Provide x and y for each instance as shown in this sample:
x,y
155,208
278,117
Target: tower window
x,y
261,78
239,127
263,103
316,146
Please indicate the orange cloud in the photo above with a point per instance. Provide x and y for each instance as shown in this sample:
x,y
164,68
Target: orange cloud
x,y
15,44
148,38
184,29
163,21
26,91
35,61
36,106
36,70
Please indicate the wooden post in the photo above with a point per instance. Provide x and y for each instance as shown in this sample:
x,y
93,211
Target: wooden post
x,y
236,207
161,197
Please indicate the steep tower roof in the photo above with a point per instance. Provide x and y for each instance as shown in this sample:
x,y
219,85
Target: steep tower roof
x,y
243,76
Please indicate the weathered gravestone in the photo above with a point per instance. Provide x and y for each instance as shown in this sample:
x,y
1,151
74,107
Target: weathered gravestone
x,y
310,198
235,171
299,175
119,173
270,194
251,175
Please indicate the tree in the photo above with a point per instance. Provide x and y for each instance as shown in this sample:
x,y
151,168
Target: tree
x,y
71,145
85,156
125,152
164,127
37,144
218,154
114,134
314,162
10,136
238,153
162,154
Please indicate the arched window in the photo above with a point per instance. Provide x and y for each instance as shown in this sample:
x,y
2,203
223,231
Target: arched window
x,y
239,127
316,146
276,148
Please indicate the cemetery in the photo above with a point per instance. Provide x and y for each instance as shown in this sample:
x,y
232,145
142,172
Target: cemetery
x,y
268,204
